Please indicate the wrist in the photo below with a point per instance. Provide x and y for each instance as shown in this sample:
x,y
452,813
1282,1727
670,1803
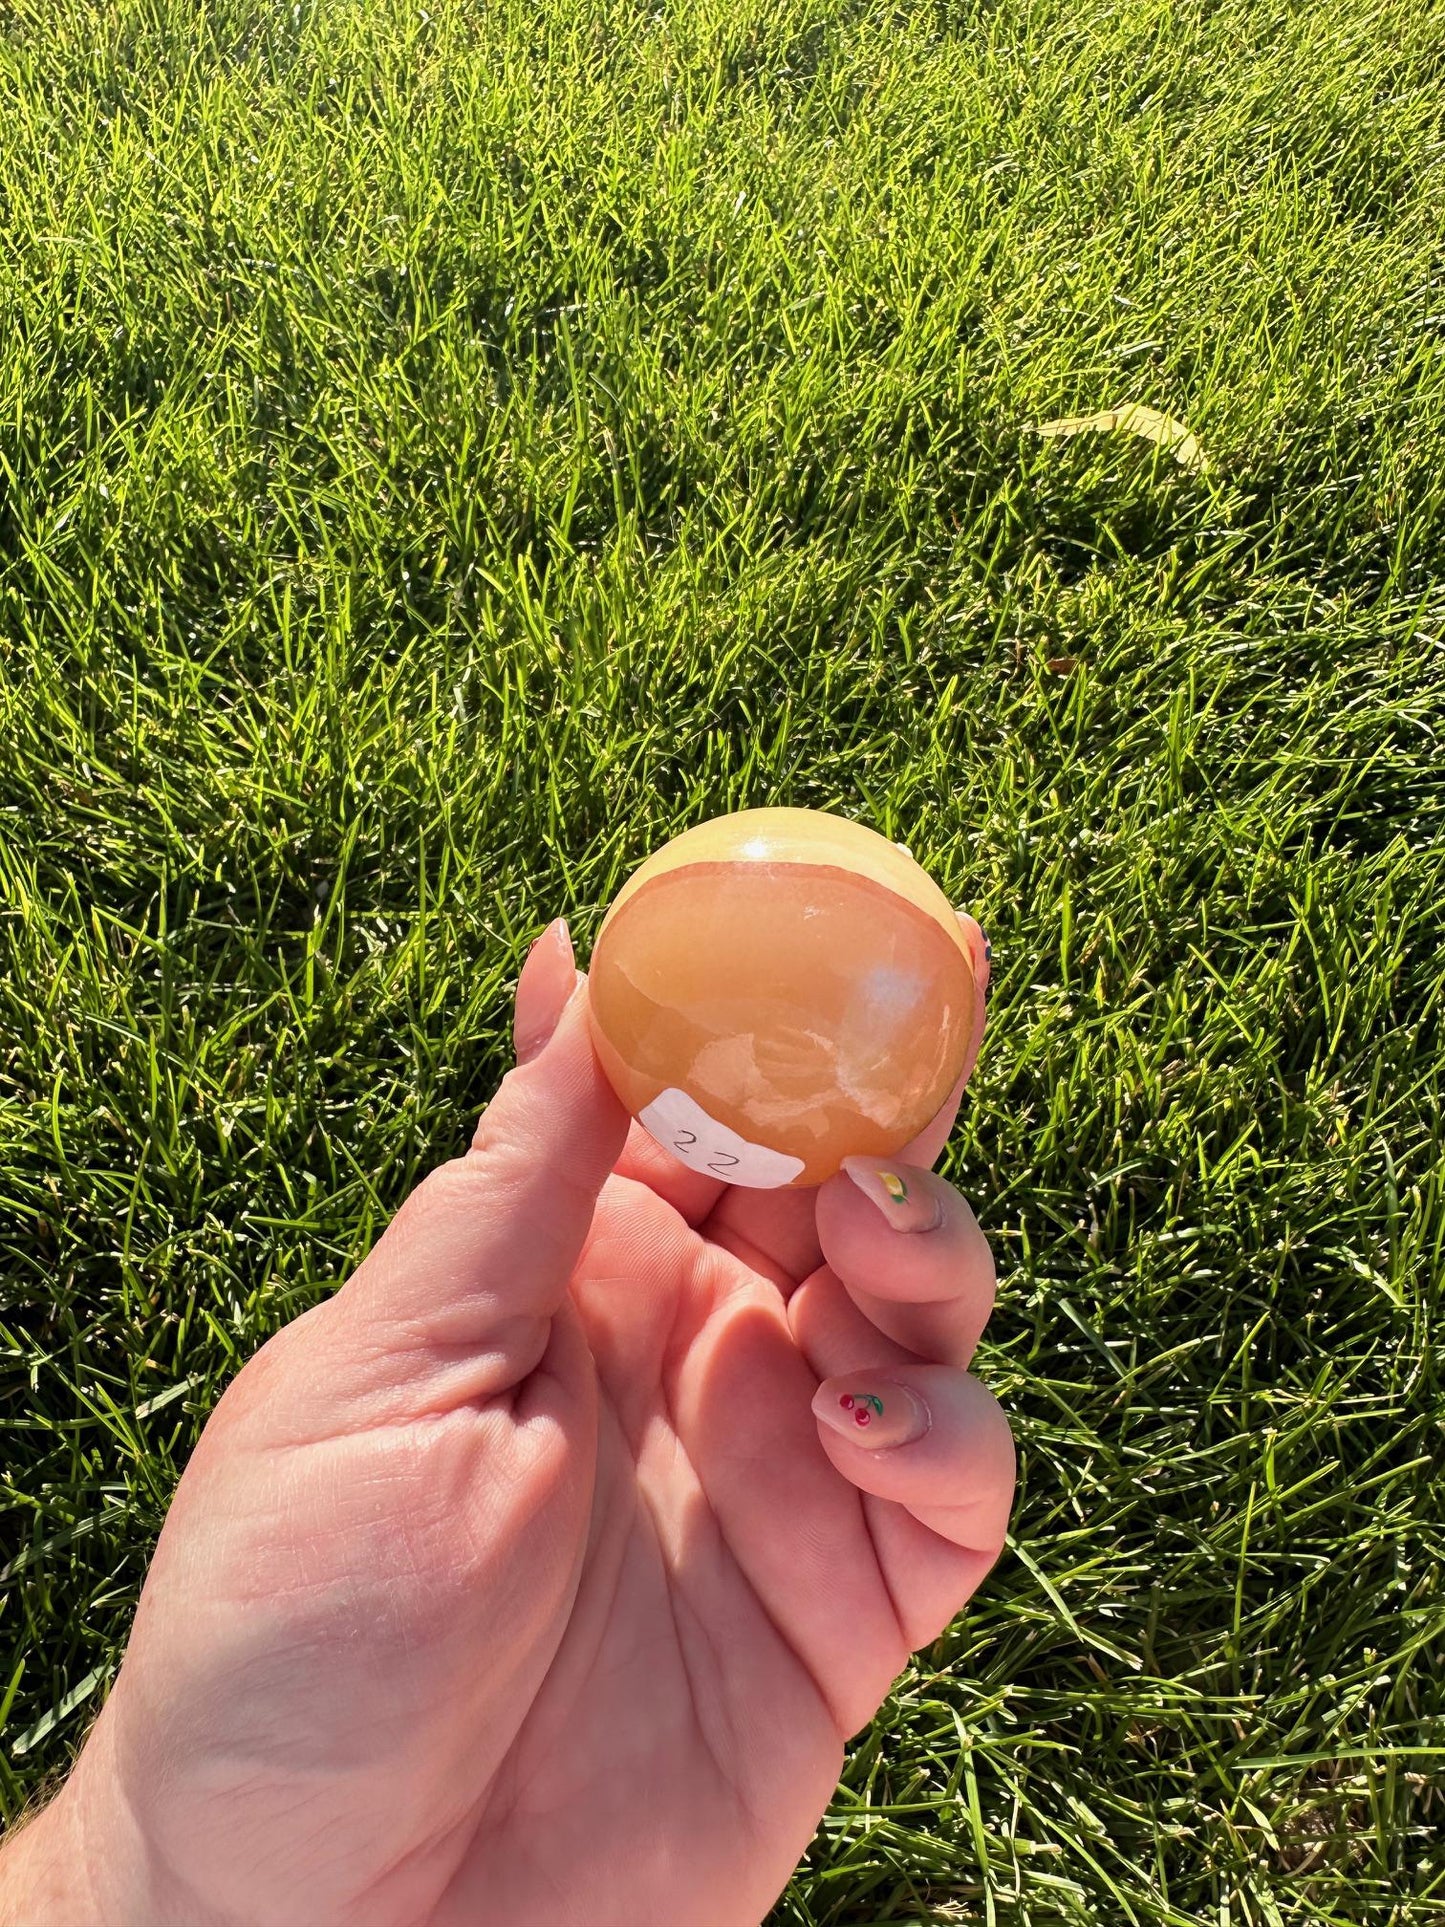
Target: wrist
x,y
82,1862
44,1876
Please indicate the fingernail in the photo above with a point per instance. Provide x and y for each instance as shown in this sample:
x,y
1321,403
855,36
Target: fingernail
x,y
872,1412
551,958
907,1202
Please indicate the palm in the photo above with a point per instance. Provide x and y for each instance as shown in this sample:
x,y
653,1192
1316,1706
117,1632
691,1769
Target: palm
x,y
730,1624
636,1650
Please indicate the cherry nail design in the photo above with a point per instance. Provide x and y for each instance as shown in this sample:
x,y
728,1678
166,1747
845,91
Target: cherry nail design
x,y
863,1407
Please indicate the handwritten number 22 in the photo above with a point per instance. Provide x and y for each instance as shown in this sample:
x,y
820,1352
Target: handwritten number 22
x,y
721,1162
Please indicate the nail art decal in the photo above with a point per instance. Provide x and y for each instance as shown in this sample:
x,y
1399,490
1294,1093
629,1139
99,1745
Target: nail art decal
x,y
864,1406
845,1408
911,1203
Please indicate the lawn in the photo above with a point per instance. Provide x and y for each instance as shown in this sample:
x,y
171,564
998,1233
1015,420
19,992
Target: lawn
x,y
447,448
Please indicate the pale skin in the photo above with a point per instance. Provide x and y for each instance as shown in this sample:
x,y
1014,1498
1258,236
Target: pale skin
x,y
540,1575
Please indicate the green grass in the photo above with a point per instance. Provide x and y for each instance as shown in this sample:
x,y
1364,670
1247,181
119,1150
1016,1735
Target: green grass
x,y
443,451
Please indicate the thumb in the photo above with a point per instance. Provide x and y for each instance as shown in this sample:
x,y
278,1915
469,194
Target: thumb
x,y
549,977
479,1257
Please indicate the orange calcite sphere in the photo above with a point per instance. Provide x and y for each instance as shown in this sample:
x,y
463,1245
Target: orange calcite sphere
x,y
775,991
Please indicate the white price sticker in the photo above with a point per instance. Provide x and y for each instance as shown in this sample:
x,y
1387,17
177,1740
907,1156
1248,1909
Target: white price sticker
x,y
681,1126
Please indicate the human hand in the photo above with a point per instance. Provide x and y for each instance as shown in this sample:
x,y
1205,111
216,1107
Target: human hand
x,y
535,1577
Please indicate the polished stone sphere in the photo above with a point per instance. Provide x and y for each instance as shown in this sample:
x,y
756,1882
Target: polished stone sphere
x,y
777,990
